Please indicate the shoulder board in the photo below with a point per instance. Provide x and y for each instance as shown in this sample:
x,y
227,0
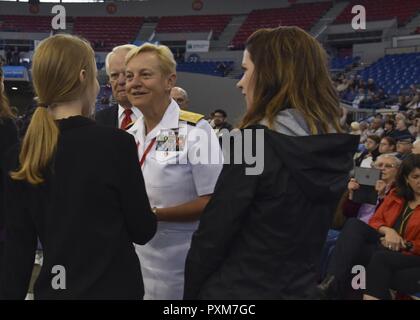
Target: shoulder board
x,y
191,117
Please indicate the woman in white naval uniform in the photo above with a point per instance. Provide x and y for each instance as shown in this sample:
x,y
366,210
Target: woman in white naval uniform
x,y
181,161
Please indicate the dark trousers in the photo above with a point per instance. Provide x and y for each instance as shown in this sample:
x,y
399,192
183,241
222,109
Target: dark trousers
x,y
392,270
355,246
358,244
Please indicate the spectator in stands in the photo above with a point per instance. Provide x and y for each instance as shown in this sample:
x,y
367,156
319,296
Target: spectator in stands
x,y
402,103
361,96
342,86
376,128
414,104
416,147
413,126
8,137
362,84
219,122
181,97
409,92
355,128
401,130
364,129
379,96
122,115
388,164
387,145
370,154
76,186
404,146
417,136
371,86
248,244
349,95
389,246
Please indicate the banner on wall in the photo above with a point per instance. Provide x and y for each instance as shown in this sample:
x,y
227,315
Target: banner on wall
x,y
15,73
198,45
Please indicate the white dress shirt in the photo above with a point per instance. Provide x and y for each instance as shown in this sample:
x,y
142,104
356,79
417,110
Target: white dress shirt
x,y
134,116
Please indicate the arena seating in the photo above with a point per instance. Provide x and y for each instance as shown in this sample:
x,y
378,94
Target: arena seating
x,y
341,63
102,100
394,73
107,32
203,23
303,15
403,10
206,67
25,23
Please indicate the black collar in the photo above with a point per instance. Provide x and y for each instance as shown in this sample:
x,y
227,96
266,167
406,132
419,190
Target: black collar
x,y
74,122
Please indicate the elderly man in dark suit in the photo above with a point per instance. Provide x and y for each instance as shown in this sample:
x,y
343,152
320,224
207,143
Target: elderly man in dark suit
x,y
122,115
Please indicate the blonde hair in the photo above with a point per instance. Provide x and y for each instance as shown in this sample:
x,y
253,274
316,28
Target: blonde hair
x,y
166,58
56,67
291,71
126,47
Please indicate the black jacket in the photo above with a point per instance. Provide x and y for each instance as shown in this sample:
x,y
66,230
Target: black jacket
x,y
8,138
87,215
108,117
261,237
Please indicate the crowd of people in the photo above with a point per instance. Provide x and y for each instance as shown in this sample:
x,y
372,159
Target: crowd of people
x,y
129,205
358,93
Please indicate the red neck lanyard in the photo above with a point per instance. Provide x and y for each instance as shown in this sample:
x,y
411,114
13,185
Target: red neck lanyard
x,y
146,152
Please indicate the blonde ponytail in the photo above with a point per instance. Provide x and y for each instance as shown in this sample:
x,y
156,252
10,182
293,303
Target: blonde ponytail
x,y
56,66
38,147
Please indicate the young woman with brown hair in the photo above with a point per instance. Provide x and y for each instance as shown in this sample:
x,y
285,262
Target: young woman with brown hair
x,y
76,186
261,236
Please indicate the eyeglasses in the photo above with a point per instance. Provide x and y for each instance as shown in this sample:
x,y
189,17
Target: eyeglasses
x,y
383,165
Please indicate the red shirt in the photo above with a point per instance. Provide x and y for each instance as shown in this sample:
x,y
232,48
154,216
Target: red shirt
x,y
387,215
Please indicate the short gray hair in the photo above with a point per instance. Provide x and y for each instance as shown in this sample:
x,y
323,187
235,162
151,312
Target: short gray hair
x,y
126,47
183,91
390,156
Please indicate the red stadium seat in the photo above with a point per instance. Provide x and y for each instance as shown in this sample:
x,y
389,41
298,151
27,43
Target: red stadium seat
x,y
302,15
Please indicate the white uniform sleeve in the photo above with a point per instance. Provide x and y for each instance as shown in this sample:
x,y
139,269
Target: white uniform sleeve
x,y
206,158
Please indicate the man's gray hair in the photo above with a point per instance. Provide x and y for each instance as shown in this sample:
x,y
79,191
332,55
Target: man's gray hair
x,y
126,47
184,93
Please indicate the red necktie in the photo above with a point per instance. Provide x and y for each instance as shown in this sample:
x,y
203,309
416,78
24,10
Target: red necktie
x,y
127,119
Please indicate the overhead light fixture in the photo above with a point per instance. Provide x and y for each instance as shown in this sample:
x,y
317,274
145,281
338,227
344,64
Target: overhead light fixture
x,y
14,88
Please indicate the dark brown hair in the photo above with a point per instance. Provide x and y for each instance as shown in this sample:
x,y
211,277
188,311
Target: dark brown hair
x,y
291,71
410,163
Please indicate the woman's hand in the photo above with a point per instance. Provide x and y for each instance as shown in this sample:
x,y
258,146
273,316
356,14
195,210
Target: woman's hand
x,y
392,240
380,188
352,186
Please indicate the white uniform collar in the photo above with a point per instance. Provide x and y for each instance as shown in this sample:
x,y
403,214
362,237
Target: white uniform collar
x,y
169,120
